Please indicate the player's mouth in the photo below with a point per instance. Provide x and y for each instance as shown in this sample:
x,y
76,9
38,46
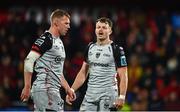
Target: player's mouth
x,y
100,34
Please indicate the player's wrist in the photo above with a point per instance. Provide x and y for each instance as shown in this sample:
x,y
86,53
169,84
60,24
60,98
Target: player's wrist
x,y
72,89
122,97
27,86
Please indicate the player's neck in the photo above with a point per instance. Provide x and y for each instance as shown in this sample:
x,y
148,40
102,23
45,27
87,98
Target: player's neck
x,y
53,32
104,42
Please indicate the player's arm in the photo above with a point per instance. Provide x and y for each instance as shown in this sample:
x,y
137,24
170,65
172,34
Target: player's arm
x,y
121,64
81,76
28,69
123,82
40,46
64,83
68,90
80,79
122,77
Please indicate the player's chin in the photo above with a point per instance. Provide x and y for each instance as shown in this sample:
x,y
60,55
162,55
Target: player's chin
x,y
64,33
101,37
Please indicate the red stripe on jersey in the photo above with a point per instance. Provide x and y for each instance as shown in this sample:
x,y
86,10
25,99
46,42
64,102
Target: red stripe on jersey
x,y
34,47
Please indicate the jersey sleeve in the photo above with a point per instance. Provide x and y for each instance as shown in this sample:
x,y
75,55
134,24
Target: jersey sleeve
x,y
120,58
86,52
42,44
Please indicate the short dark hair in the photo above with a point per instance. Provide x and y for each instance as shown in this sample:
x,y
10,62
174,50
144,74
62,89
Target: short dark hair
x,y
59,13
105,20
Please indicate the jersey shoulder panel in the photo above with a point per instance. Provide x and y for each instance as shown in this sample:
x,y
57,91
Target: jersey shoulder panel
x,y
87,50
119,55
43,43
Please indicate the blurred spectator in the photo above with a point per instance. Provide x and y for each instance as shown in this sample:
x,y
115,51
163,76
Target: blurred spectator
x,y
134,71
155,103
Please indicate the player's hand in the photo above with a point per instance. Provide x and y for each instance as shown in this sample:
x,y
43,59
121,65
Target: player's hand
x,y
68,100
71,96
119,103
25,94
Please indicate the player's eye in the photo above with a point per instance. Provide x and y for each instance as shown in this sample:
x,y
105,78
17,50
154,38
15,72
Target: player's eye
x,y
104,27
98,27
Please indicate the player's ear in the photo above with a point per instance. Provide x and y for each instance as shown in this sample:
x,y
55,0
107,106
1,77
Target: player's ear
x,y
55,22
110,31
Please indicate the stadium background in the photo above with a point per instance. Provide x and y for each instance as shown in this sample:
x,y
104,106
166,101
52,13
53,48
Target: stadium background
x,y
148,30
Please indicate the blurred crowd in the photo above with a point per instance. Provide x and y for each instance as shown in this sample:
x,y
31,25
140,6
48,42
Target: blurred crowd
x,y
151,39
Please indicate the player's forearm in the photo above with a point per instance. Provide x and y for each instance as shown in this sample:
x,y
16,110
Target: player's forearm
x,y
123,85
64,83
123,81
81,76
27,79
80,79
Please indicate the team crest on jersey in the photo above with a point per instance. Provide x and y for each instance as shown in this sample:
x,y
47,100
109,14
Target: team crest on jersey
x,y
97,54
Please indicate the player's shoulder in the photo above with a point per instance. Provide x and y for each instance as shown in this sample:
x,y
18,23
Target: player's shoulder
x,y
116,46
46,36
45,40
91,44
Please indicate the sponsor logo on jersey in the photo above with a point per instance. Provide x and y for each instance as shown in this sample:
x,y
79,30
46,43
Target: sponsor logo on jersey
x,y
99,64
39,41
99,50
123,61
97,54
58,59
106,55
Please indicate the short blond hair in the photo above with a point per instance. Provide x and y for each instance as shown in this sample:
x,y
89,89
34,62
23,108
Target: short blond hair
x,y
58,13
